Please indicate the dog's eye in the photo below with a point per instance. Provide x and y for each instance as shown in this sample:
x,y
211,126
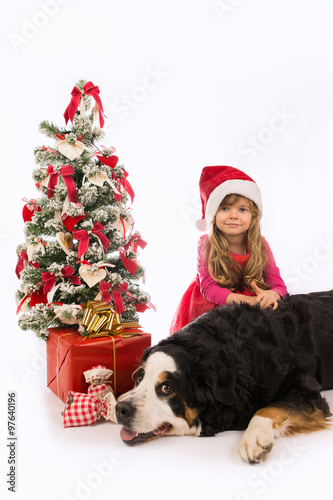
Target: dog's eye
x,y
138,380
166,389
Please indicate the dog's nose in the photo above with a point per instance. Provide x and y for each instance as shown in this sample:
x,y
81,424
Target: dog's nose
x,y
124,412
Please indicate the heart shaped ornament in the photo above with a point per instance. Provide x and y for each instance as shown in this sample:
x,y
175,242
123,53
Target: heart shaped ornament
x,y
123,226
65,240
59,215
51,293
91,278
34,248
45,181
65,206
24,306
98,179
71,151
69,221
28,214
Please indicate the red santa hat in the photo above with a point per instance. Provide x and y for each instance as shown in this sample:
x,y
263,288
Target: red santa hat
x,y
218,182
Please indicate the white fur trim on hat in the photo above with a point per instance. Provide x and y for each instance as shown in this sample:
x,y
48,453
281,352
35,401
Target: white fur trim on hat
x,y
248,189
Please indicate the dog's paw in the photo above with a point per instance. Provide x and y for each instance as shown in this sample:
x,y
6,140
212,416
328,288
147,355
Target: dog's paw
x,y
257,440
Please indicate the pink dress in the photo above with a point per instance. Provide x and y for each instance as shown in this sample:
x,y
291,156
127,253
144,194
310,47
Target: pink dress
x,y
205,293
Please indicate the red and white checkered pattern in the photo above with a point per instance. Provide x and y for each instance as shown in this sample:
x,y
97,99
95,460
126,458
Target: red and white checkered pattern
x,y
81,409
85,409
99,390
108,410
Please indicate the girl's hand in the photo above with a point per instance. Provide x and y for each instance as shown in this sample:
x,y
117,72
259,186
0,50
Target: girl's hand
x,y
265,298
238,298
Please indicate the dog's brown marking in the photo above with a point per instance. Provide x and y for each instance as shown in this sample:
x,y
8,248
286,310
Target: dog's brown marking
x,y
289,421
162,378
190,414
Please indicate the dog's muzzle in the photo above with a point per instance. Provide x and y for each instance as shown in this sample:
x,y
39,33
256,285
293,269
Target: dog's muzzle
x,y
125,412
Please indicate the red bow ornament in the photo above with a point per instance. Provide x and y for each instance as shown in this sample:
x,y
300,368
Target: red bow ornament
x,y
83,237
143,307
130,264
104,288
89,89
117,297
135,241
86,409
126,185
111,161
66,172
49,278
22,263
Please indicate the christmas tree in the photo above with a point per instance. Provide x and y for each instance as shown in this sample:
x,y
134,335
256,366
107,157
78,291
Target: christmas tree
x,y
80,242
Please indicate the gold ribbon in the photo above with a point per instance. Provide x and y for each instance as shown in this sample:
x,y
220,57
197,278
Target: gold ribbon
x,y
101,320
57,367
114,367
114,362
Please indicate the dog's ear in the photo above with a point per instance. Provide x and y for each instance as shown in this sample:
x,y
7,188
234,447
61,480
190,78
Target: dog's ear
x,y
146,353
222,385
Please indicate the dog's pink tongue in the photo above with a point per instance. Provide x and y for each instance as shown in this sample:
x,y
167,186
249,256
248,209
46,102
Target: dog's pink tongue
x,y
127,434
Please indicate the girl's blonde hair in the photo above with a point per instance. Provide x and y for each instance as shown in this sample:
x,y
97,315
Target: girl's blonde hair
x,y
223,268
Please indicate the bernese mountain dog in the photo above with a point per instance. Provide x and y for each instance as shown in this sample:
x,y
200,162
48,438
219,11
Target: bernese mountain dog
x,y
233,368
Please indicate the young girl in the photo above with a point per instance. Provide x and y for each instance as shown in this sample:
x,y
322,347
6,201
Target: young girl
x,y
235,263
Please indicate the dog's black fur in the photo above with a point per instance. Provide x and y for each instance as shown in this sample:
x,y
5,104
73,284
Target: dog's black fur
x,y
238,359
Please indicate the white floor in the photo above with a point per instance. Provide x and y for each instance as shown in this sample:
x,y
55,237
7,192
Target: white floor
x,y
184,84
93,463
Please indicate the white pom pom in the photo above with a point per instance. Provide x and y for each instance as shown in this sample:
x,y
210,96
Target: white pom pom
x,y
201,224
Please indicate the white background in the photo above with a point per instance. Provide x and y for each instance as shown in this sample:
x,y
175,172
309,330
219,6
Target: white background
x,y
184,84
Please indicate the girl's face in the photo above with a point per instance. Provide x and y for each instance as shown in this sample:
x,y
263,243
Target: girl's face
x,y
233,218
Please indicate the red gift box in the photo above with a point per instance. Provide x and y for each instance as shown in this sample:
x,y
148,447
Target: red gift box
x,y
69,354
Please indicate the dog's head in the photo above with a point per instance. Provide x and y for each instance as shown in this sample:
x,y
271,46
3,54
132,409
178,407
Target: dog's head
x,y
170,393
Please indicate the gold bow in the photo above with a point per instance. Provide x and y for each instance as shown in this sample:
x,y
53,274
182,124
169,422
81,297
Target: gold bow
x,y
100,319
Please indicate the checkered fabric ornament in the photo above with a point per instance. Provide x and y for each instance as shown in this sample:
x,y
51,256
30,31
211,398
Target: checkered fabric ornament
x,y
99,391
97,374
86,409
81,409
108,410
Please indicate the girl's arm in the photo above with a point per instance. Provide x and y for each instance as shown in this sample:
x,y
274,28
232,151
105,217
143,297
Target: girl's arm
x,y
218,295
239,298
273,276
